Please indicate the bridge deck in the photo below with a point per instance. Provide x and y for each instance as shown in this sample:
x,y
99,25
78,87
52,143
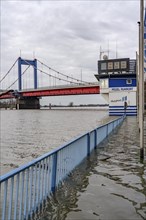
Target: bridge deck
x,y
54,91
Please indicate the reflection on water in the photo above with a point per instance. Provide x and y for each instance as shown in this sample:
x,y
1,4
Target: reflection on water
x,y
65,198
111,184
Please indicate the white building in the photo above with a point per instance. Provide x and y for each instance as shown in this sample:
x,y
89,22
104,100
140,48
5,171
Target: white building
x,y
118,85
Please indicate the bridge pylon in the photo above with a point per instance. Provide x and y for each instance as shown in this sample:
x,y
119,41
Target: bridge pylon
x,y
28,63
28,103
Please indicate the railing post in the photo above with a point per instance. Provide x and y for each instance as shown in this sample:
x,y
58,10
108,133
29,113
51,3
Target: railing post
x,y
54,173
16,197
88,144
95,138
107,130
5,200
11,198
26,194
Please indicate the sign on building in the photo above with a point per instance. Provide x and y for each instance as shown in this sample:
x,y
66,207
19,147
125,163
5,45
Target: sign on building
x,y
113,65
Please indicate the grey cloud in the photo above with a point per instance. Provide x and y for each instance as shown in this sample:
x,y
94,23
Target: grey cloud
x,y
67,34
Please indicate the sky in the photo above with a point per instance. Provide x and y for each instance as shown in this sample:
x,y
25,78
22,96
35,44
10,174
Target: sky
x,y
67,36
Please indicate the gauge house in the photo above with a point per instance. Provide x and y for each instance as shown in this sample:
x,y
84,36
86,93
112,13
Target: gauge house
x,y
118,85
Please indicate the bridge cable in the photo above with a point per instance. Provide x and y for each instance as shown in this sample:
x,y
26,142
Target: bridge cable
x,y
63,73
55,77
52,75
18,78
8,71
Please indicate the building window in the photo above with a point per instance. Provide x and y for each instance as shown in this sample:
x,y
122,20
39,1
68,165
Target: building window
x,y
104,83
129,81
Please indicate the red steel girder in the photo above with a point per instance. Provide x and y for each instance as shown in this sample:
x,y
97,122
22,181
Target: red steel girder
x,y
57,92
6,96
63,91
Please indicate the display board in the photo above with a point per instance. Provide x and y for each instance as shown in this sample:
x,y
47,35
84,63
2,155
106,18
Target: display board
x,y
113,65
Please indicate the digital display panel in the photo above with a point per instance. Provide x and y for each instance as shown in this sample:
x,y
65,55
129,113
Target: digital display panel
x,y
110,65
123,64
116,65
103,66
113,65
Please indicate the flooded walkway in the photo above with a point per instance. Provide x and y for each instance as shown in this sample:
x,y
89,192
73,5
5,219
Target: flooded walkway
x,y
110,185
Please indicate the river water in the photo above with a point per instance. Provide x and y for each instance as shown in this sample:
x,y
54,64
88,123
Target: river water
x,y
28,134
109,185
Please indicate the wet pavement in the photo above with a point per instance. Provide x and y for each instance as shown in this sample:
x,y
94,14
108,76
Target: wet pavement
x,y
109,185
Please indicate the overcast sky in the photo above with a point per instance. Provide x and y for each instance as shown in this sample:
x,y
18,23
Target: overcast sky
x,y
67,35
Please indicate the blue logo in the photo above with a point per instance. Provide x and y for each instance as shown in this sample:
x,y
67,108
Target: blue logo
x,y
124,98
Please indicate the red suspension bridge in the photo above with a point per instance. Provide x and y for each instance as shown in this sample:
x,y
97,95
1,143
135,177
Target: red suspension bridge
x,y
29,98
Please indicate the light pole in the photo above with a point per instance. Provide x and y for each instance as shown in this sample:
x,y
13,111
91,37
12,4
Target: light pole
x,y
141,80
137,72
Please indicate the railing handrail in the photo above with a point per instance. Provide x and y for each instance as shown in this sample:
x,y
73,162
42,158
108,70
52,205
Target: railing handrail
x,y
50,153
33,182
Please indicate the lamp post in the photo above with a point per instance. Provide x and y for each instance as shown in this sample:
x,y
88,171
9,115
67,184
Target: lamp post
x,y
141,80
137,72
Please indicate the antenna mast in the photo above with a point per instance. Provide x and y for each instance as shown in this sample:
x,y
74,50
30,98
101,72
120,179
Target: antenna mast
x,y
116,50
105,51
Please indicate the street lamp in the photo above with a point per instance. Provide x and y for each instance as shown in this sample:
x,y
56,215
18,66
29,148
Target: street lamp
x,y
141,80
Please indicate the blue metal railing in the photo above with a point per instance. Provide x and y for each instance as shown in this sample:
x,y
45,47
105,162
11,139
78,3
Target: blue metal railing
x,y
24,189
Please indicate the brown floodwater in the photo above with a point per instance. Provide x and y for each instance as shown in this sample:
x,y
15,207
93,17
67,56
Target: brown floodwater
x,y
109,185
28,134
